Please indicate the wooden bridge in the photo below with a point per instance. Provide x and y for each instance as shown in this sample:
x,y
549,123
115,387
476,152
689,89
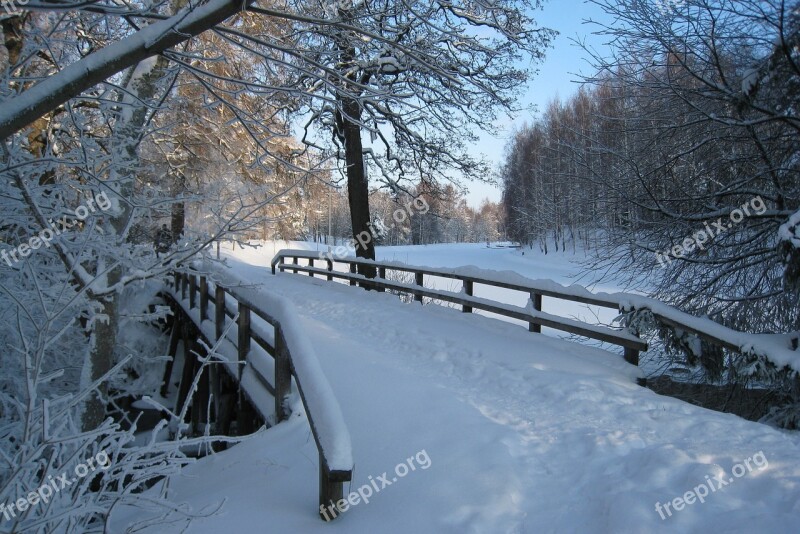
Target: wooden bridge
x,y
261,353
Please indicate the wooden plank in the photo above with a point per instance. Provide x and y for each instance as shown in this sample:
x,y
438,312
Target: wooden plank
x,y
330,269
311,264
418,279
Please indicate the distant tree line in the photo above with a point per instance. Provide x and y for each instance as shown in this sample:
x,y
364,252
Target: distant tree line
x,y
692,115
321,213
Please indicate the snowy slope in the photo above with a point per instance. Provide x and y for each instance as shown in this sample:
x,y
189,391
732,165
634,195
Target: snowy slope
x,y
523,433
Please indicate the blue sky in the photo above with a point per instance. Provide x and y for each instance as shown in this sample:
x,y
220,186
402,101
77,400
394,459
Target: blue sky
x,y
556,76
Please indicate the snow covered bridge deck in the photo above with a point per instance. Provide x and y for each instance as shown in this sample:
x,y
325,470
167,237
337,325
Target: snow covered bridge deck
x,y
462,423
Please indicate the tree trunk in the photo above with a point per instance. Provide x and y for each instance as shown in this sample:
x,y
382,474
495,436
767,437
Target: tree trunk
x,y
357,184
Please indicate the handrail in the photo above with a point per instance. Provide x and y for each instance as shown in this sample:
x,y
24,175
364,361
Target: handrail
x,y
532,314
293,356
775,348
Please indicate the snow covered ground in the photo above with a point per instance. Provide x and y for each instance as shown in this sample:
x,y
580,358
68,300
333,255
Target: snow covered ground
x,y
506,431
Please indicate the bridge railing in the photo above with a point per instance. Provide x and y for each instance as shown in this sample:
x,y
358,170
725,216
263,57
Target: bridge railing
x,y
288,260
271,325
779,351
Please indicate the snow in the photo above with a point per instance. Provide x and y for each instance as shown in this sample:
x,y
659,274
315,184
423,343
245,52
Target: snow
x,y
749,81
525,432
789,232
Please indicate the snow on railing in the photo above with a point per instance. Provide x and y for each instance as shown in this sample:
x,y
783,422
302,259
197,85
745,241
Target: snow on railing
x,y
293,355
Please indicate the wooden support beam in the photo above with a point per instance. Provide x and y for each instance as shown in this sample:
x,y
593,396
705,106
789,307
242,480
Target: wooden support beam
x,y
246,416
201,399
219,311
381,274
418,279
330,492
283,374
187,376
330,269
536,298
311,264
227,404
192,291
243,341
174,338
468,292
245,413
352,271
203,298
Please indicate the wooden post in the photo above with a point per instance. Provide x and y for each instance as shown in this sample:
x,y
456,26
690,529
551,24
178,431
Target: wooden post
x,y
201,397
243,341
215,390
283,374
352,271
203,299
246,418
468,292
632,357
382,275
174,338
184,283
537,305
227,402
330,269
418,280
330,492
188,366
245,415
219,310
294,261
192,291
311,264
